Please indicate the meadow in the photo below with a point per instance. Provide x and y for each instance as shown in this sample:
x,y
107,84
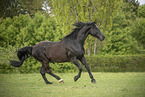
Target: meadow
x,y
128,84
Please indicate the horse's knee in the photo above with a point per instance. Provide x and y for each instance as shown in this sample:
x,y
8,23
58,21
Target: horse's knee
x,y
81,69
42,72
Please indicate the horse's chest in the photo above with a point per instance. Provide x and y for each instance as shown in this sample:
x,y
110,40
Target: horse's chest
x,y
75,53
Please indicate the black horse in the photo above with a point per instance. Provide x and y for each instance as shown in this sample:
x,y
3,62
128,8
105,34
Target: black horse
x,y
69,49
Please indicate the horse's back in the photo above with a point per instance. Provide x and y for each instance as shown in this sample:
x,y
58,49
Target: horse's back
x,y
41,45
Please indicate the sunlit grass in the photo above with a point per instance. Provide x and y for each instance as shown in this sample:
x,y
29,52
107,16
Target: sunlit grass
x,y
108,85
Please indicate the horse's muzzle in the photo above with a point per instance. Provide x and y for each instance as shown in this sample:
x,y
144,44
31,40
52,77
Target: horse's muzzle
x,y
102,38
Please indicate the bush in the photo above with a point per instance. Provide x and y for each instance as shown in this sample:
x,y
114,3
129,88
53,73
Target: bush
x,y
118,63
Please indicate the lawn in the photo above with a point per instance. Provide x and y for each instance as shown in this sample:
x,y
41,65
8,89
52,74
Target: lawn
x,y
129,84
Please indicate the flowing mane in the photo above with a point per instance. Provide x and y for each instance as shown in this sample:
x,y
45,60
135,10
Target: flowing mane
x,y
75,31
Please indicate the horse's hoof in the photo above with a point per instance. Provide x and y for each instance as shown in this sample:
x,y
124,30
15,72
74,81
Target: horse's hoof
x,y
93,81
61,81
49,82
75,78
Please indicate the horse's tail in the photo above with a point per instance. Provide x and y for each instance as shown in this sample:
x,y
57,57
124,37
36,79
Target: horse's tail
x,y
22,55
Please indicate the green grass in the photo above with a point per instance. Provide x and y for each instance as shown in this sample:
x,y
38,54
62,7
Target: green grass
x,y
108,85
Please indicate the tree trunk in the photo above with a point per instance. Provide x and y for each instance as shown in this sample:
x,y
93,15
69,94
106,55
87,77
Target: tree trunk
x,y
88,51
95,46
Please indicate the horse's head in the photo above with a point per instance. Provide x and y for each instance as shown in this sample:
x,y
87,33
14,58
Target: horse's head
x,y
95,31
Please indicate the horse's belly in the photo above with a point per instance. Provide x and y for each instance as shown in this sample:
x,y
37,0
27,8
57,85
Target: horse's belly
x,y
58,54
58,57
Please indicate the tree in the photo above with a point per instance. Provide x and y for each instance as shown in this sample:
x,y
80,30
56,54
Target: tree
x,y
141,11
120,42
23,30
132,6
138,30
10,28
119,39
10,8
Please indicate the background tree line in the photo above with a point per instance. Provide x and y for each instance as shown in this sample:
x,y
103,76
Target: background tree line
x,y
26,23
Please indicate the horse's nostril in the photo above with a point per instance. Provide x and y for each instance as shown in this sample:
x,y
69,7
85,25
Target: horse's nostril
x,y
104,37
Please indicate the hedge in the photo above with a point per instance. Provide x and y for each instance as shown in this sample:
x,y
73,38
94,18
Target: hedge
x,y
118,63
103,63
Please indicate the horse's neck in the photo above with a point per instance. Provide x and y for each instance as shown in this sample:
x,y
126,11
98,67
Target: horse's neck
x,y
82,35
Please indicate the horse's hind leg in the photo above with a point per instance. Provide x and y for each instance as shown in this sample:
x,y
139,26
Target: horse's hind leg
x,y
55,76
46,69
52,74
42,71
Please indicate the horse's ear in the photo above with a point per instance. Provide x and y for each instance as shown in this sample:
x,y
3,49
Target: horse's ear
x,y
95,21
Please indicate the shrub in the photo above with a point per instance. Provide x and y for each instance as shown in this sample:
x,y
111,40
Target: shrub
x,y
117,63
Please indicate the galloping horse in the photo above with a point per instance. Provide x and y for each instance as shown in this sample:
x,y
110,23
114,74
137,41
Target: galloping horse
x,y
69,49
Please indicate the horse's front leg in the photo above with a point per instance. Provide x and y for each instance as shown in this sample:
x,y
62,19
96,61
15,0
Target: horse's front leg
x,y
83,60
75,61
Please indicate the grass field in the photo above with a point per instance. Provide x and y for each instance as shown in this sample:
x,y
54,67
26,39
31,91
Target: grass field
x,y
108,85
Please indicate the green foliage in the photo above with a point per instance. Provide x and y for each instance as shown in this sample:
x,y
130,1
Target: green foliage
x,y
7,54
11,28
119,42
141,11
63,67
119,39
138,30
11,8
24,30
118,63
131,6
